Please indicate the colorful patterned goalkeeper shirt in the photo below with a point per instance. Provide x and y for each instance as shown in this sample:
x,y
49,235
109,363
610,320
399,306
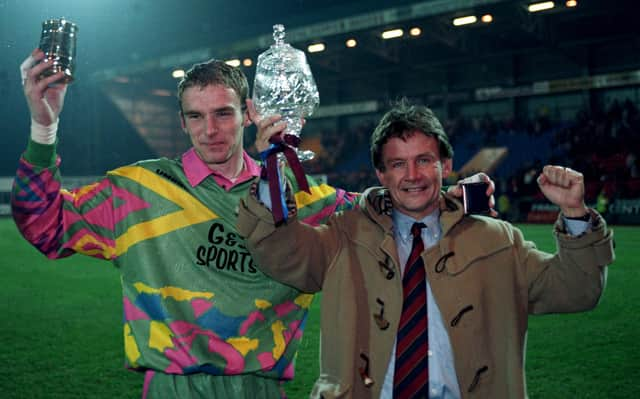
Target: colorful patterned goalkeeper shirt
x,y
194,300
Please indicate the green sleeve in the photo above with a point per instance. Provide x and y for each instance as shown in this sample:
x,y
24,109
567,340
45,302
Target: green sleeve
x,y
42,155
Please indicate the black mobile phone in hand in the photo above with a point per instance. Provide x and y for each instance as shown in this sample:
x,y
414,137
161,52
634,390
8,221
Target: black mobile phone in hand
x,y
474,198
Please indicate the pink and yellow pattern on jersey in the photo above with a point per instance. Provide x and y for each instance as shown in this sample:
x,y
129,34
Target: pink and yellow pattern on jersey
x,y
194,301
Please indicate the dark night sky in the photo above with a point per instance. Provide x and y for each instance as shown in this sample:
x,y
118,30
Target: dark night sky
x,y
122,32
113,32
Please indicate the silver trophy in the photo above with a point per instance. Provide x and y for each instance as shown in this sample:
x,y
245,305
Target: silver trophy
x,y
58,42
284,85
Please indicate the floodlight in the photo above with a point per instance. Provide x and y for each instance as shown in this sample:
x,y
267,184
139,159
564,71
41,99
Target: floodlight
x,y
545,5
469,19
234,62
316,48
392,34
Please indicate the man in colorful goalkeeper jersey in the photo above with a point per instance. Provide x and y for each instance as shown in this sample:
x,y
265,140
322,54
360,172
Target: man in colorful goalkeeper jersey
x,y
200,319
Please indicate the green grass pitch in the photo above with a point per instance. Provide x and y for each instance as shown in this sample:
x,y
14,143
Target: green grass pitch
x,y
61,334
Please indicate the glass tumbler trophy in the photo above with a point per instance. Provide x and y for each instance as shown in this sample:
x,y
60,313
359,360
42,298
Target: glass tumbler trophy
x,y
284,85
58,42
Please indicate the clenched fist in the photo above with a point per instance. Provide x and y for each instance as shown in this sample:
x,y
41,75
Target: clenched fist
x,y
564,187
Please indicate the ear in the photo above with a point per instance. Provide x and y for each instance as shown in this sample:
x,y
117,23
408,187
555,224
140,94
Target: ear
x,y
447,167
246,120
182,122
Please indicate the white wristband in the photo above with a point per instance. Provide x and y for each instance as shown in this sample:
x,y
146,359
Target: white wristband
x,y
42,134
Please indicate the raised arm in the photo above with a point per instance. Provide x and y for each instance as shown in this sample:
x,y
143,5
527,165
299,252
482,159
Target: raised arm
x,y
57,222
574,278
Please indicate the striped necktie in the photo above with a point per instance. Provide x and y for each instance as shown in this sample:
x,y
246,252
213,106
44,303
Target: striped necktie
x,y
411,378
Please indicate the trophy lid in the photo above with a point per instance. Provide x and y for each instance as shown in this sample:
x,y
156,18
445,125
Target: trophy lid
x,y
280,55
283,80
62,24
278,34
279,47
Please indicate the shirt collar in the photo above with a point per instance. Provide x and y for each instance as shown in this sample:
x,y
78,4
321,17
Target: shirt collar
x,y
402,223
196,170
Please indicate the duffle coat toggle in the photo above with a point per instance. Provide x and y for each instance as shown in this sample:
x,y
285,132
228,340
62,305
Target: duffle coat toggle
x,y
364,371
382,323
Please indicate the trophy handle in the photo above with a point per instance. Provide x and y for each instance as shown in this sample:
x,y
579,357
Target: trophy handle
x,y
305,155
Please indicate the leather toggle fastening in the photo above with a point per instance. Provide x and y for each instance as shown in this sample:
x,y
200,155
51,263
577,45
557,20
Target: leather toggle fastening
x,y
456,320
441,264
389,271
364,371
382,323
476,378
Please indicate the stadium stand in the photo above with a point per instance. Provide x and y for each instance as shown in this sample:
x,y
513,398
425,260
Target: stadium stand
x,y
549,86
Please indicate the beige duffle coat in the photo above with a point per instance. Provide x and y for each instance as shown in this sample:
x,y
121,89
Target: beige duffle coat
x,y
484,276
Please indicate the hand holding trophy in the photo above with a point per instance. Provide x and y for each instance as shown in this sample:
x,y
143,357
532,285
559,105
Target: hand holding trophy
x,y
47,71
284,85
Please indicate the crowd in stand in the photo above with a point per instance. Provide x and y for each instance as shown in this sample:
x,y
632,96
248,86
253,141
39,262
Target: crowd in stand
x,y
603,144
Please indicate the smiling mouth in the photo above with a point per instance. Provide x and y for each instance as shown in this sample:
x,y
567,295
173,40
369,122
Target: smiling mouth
x,y
414,189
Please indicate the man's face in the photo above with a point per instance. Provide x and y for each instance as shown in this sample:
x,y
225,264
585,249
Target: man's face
x,y
413,173
212,116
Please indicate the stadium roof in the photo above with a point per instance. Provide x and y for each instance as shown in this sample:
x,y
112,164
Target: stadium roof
x,y
513,30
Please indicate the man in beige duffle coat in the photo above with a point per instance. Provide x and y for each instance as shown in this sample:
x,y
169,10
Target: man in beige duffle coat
x,y
483,277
